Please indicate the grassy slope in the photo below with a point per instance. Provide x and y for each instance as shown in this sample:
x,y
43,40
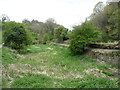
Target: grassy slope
x,y
49,66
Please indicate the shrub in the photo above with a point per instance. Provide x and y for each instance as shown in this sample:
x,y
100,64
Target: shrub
x,y
81,36
60,34
15,35
46,38
35,38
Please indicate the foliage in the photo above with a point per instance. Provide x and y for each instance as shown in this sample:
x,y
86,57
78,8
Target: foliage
x,y
46,38
68,34
1,41
15,35
1,37
60,33
42,28
35,38
106,19
81,37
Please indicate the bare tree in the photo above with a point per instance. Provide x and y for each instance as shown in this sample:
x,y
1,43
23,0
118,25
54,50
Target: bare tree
x,y
4,18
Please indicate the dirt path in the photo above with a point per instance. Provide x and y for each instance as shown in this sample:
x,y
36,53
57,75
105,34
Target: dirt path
x,y
63,44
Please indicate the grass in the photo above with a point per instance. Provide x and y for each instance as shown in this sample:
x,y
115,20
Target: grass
x,y
37,81
0,36
52,66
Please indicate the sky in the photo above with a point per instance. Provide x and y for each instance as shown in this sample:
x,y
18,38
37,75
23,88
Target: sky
x,y
65,12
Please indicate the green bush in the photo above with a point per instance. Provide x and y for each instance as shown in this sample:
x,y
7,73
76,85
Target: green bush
x,y
60,34
81,36
15,35
46,38
35,38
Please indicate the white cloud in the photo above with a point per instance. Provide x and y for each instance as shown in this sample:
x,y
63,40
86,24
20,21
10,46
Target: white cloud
x,y
65,12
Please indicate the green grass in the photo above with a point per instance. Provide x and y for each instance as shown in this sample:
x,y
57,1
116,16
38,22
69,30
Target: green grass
x,y
0,36
52,66
35,81
42,81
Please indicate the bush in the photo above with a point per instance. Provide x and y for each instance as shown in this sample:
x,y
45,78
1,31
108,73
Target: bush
x,y
81,36
46,38
15,35
35,38
60,34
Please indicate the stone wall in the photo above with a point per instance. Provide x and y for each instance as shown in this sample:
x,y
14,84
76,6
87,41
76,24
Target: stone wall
x,y
109,56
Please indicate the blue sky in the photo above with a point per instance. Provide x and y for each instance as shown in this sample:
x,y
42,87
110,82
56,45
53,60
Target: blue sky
x,y
65,12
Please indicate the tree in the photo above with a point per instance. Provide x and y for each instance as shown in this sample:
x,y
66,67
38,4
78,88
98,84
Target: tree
x,y
60,33
99,7
5,18
15,35
25,21
0,25
41,28
98,18
113,21
81,36
46,38
51,25
106,20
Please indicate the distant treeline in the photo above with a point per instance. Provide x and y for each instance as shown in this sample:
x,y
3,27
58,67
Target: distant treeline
x,y
47,30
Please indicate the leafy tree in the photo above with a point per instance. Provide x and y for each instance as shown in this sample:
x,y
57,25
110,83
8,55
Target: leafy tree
x,y
60,33
104,18
81,36
15,35
41,28
50,26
